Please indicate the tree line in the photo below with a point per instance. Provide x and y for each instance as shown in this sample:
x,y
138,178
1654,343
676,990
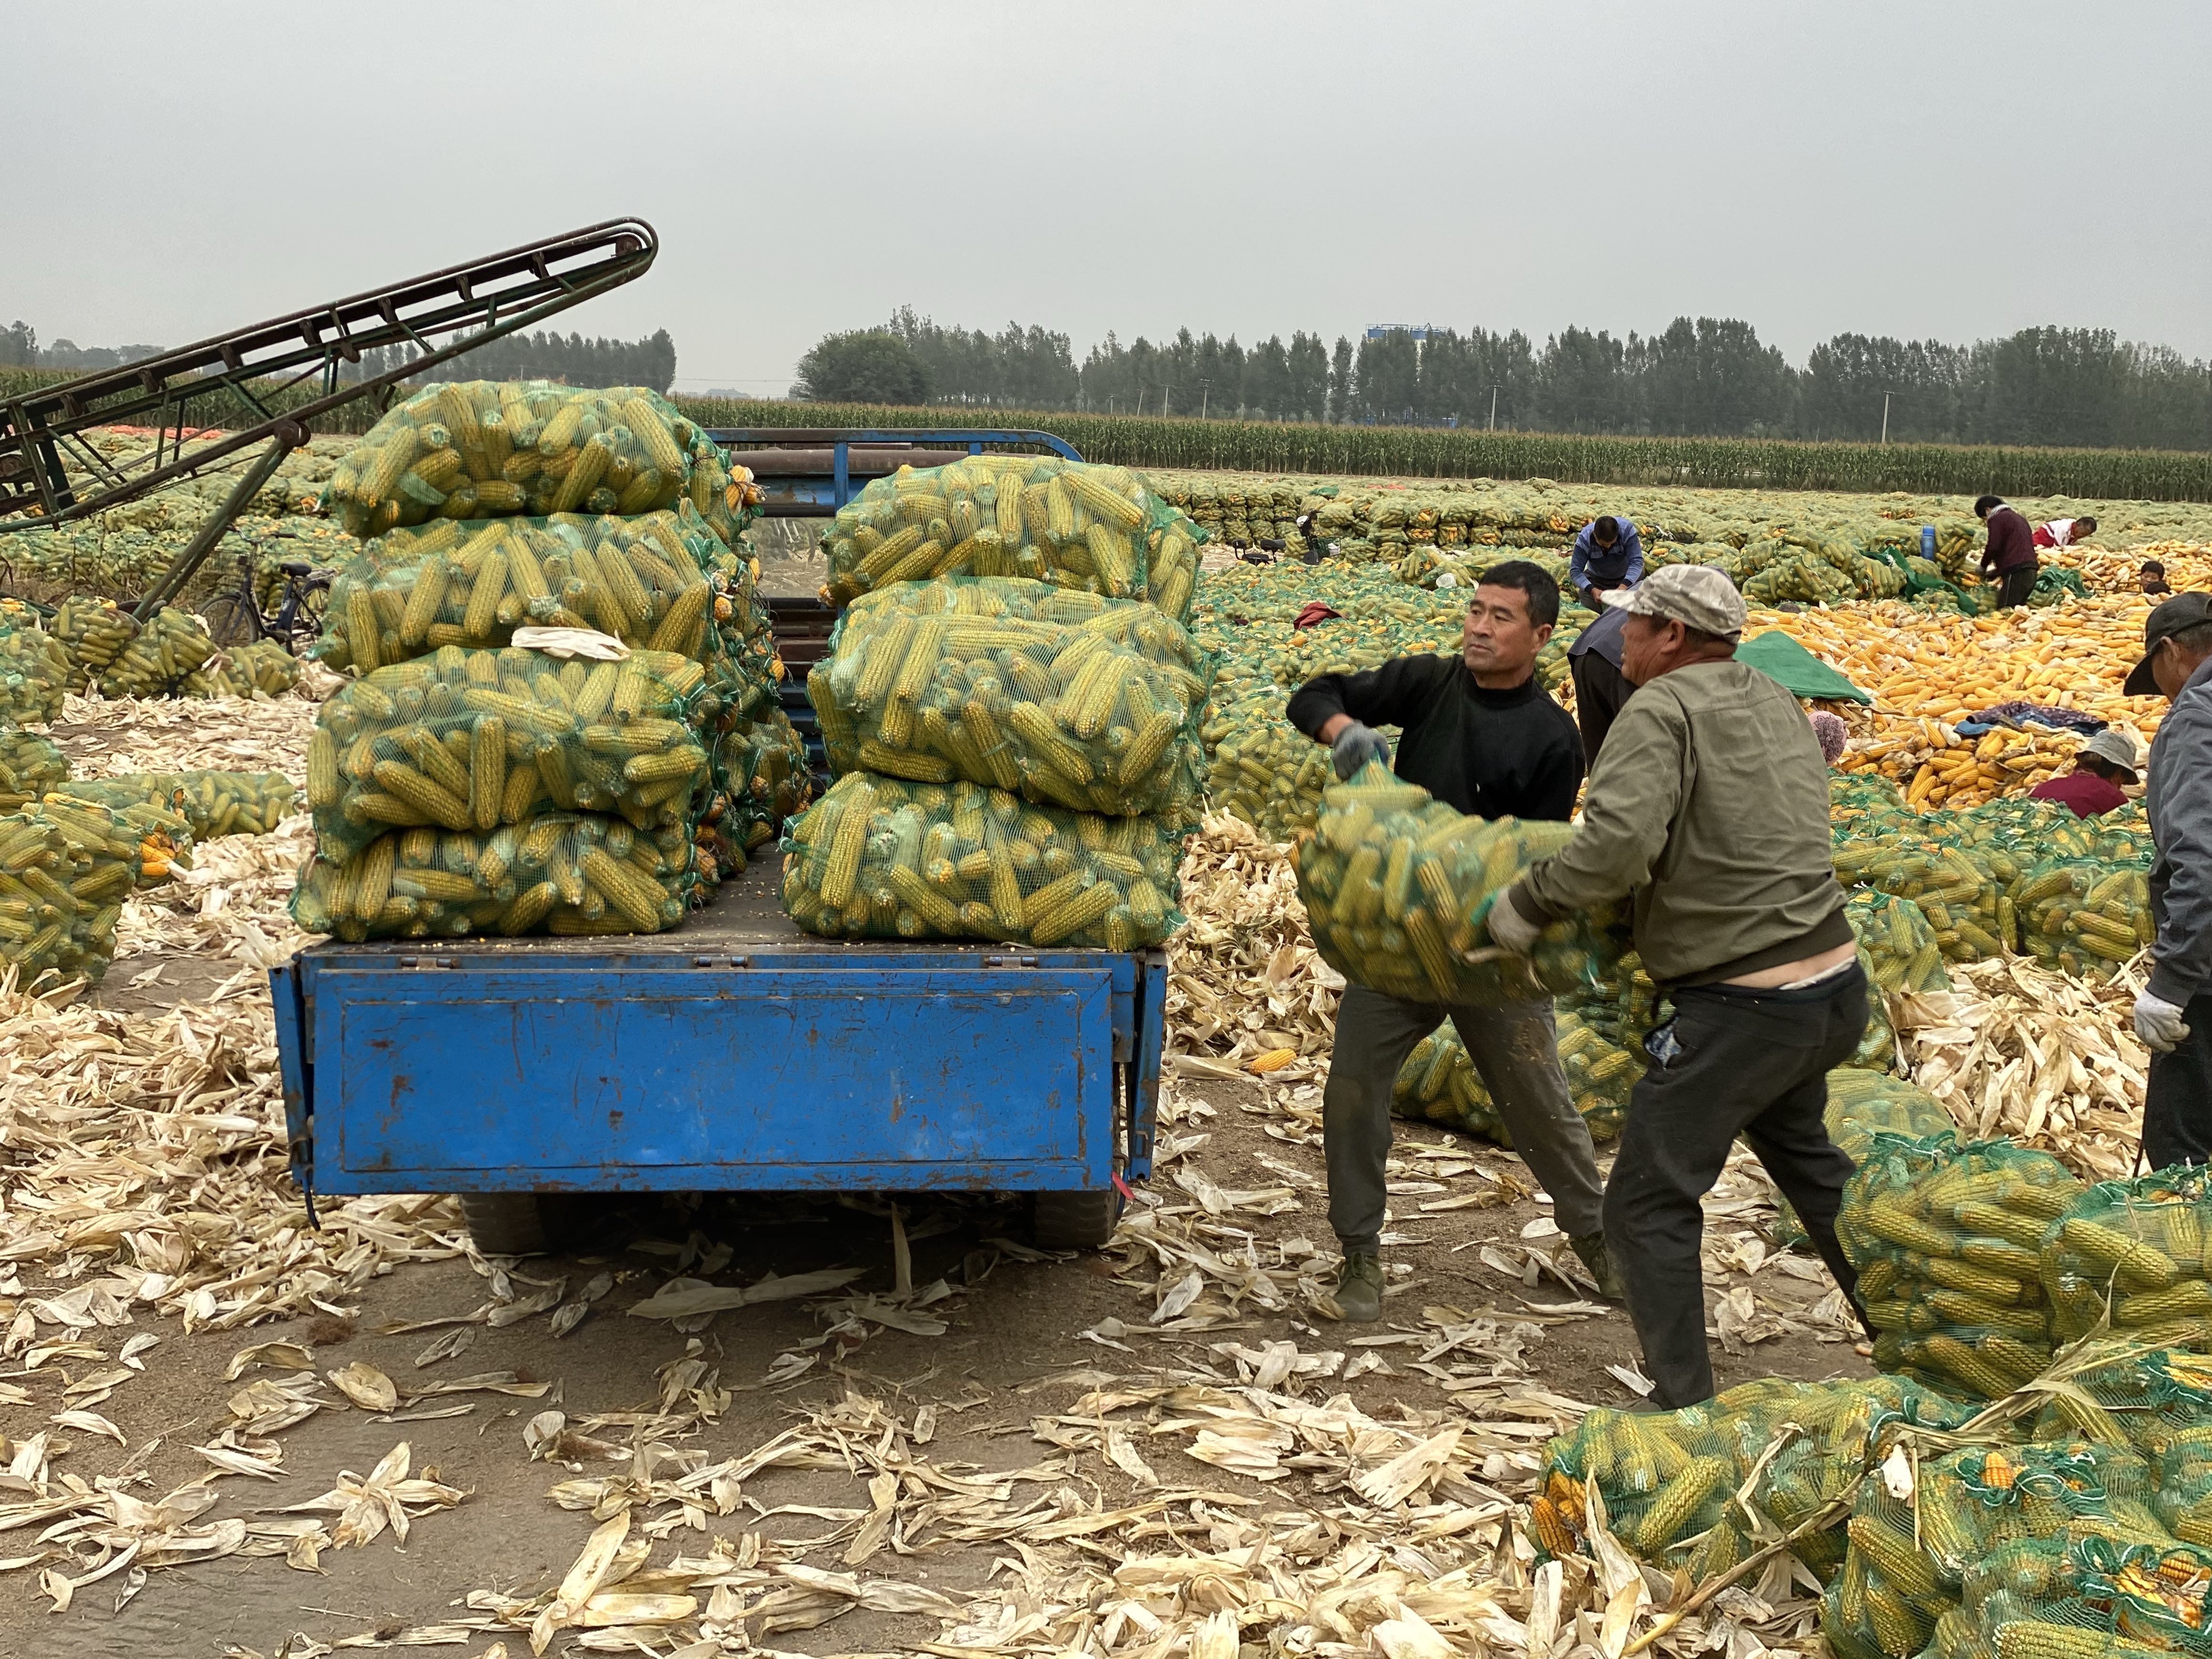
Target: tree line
x,y
647,362
1703,377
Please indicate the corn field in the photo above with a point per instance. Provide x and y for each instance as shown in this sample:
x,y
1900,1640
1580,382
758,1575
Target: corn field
x,y
1441,452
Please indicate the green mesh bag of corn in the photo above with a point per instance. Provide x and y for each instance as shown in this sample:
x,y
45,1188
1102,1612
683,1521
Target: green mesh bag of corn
x,y
1945,1236
29,766
1063,697
647,581
486,449
2079,1597
1261,768
159,657
884,858
2085,919
761,762
1095,528
1958,898
1439,1083
208,804
263,667
470,740
2157,1404
1667,1480
65,869
1910,1556
1397,884
93,633
2137,1252
1899,948
34,676
561,872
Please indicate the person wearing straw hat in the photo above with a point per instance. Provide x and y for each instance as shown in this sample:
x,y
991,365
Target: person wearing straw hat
x,y
2174,1013
2105,766
1708,810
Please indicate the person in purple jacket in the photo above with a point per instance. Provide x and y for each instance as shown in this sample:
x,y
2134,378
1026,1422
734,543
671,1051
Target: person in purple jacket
x,y
2010,557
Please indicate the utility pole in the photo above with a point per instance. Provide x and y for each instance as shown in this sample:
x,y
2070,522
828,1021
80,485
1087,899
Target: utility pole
x,y
1885,417
1164,390
1140,400
1493,409
1206,391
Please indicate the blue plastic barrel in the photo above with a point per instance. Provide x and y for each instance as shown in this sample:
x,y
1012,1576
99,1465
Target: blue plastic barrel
x,y
1928,542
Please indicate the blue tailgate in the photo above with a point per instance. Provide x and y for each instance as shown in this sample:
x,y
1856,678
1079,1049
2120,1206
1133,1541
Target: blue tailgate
x,y
895,1068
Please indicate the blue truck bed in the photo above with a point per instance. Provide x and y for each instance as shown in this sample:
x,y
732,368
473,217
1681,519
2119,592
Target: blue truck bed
x,y
732,1051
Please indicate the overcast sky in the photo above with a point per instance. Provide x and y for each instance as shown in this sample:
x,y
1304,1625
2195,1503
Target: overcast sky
x,y
1928,169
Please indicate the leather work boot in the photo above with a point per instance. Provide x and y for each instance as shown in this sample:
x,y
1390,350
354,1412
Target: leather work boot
x,y
1360,1287
1591,1248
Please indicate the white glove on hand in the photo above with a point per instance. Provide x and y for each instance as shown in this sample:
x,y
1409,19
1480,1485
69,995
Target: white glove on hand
x,y
2159,1024
1509,927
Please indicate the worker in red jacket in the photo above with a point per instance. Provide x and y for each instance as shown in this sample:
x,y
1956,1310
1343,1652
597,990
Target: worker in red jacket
x,y
2010,557
2106,764
2064,533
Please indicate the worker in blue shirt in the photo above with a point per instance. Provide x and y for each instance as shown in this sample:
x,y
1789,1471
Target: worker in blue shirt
x,y
1607,554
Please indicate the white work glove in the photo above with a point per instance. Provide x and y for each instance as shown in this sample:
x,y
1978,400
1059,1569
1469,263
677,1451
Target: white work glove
x,y
1509,927
566,642
2159,1024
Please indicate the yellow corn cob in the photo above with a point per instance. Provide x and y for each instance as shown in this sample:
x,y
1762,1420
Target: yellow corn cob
x,y
1993,1287
624,888
1116,510
658,768
1072,915
393,458
645,425
2186,1300
839,882
439,805
1111,555
1149,746
925,901
2140,1266
1886,1218
1677,1504
907,763
2029,1638
324,783
436,763
1948,1353
1898,1631
374,884
2022,1229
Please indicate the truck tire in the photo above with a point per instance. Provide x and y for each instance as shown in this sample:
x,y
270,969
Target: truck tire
x,y
505,1224
1078,1220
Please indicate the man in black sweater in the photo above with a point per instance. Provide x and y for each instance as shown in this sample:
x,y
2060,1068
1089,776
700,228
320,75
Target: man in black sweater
x,y
1480,735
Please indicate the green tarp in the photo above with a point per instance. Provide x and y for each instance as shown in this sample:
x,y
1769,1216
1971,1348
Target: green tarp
x,y
1800,673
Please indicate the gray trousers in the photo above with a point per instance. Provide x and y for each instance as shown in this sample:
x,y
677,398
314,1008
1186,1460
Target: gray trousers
x,y
1516,1050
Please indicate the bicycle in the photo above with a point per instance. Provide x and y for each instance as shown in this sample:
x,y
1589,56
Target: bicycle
x,y
235,615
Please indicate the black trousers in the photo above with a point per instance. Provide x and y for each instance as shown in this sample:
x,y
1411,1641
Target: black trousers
x,y
1753,1063
1599,690
2013,585
2177,1104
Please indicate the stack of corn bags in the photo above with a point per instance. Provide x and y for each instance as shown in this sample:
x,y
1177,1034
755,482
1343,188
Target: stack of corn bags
x,y
65,868
1011,704
462,784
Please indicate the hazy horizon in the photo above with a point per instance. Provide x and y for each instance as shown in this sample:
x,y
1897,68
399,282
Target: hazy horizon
x,y
1876,168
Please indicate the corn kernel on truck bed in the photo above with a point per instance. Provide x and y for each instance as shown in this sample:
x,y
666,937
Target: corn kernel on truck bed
x,y
733,1051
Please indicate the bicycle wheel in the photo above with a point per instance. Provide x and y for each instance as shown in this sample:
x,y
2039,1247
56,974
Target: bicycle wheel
x,y
307,620
231,619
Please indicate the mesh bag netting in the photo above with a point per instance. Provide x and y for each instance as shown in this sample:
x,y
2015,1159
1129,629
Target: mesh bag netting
x,y
159,658
560,873
263,666
1862,1103
2138,1252
762,764
470,740
34,676
65,869
1958,897
883,858
1074,525
485,449
92,633
648,581
208,803
1898,947
1945,1238
29,766
1065,698
2080,1597
1261,768
2085,919
1669,1482
1439,1083
1397,885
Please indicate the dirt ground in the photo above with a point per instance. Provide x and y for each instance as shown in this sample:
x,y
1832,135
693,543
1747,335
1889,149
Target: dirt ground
x,y
1024,1339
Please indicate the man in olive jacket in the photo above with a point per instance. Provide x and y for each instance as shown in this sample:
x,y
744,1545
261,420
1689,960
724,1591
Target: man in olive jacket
x,y
1708,807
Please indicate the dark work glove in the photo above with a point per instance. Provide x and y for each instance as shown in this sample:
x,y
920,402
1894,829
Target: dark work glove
x,y
1355,746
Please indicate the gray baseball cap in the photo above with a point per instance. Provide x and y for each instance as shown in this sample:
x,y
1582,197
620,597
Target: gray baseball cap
x,y
2117,746
2182,611
1696,595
